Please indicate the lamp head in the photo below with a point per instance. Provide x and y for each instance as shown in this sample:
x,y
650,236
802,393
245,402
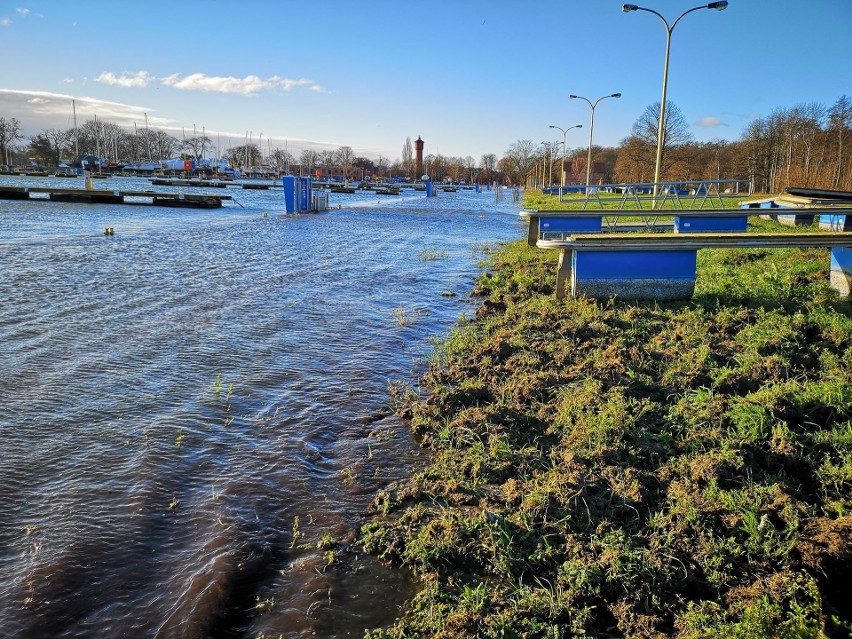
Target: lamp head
x,y
627,8
615,95
571,97
552,127
721,5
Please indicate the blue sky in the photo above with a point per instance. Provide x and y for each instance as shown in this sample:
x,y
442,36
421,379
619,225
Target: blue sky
x,y
468,76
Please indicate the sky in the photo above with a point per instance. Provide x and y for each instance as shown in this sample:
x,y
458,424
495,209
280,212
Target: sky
x,y
469,77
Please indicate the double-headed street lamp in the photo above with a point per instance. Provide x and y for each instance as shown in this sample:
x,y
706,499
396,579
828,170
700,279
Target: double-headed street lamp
x,y
564,149
627,8
591,130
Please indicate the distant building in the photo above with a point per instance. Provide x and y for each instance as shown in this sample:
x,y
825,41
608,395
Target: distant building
x,y
418,158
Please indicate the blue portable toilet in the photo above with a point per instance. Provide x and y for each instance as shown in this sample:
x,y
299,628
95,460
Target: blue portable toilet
x,y
298,193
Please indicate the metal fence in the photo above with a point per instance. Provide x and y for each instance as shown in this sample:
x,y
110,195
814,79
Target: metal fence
x,y
692,194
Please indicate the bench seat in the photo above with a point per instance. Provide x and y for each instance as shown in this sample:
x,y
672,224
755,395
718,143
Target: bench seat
x,y
663,266
557,225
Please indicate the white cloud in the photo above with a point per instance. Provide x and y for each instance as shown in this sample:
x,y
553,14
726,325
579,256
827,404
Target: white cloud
x,y
126,80
22,11
41,109
710,121
5,22
249,85
68,80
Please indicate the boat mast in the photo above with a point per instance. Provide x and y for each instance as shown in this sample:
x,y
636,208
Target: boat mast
x,y
76,133
97,144
147,138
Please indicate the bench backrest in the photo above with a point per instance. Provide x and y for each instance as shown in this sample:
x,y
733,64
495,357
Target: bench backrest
x,y
576,213
677,242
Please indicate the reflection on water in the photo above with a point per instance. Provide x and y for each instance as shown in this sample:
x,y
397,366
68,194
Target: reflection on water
x,y
191,406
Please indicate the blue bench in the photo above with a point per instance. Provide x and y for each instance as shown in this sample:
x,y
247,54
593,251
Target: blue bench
x,y
557,225
663,266
793,209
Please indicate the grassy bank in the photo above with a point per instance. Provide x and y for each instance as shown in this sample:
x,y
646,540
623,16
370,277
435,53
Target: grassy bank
x,y
608,468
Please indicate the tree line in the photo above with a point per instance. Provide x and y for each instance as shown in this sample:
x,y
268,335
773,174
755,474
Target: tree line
x,y
806,145
98,138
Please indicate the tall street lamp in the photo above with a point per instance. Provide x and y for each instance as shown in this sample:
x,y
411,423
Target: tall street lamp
x,y
591,130
547,149
627,8
564,150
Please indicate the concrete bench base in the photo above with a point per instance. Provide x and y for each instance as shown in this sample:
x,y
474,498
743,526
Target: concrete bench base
x,y
658,275
795,219
635,289
840,275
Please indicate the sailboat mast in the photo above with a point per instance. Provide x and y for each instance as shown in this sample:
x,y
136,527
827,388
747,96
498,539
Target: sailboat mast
x,y
147,138
76,133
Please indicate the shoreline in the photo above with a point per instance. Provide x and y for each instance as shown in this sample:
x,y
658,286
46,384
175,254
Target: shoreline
x,y
612,468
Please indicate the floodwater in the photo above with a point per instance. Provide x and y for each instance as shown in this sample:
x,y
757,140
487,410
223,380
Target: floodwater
x,y
188,407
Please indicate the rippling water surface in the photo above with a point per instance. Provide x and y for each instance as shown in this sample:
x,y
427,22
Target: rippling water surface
x,y
187,406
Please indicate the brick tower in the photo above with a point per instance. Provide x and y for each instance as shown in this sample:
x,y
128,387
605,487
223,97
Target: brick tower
x,y
418,158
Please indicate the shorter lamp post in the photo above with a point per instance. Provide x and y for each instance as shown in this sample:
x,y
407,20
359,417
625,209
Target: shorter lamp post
x,y
591,130
543,164
564,152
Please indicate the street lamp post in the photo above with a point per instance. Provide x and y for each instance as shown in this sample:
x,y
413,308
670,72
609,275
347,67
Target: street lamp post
x,y
627,8
591,130
544,163
564,152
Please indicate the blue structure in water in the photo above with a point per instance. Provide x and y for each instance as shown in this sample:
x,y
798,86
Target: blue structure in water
x,y
298,193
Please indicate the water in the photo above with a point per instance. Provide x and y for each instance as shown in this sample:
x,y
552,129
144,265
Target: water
x,y
189,406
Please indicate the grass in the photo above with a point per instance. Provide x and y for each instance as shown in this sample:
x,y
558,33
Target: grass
x,y
403,317
431,253
609,468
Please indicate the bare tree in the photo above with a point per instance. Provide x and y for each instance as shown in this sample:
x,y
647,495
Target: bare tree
x,y
195,146
308,159
469,165
489,163
839,123
675,129
522,157
160,144
10,132
408,157
327,161
344,156
281,160
49,145
245,155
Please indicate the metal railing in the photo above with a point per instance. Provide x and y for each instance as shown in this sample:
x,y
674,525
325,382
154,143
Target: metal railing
x,y
688,194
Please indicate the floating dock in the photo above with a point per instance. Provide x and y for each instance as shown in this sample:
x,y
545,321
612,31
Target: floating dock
x,y
105,196
216,184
